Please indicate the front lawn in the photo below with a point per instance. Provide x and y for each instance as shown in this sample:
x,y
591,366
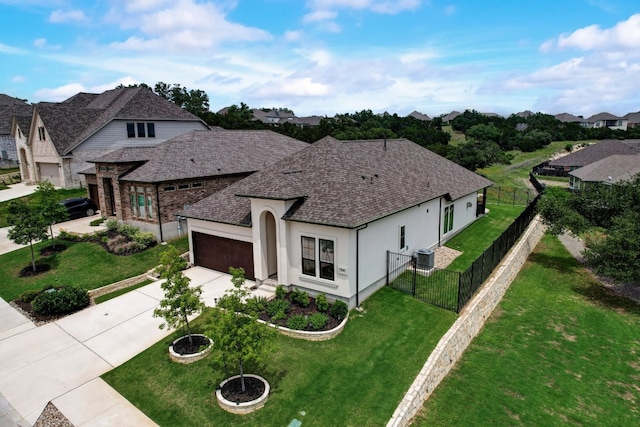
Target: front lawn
x,y
559,350
476,238
356,379
85,264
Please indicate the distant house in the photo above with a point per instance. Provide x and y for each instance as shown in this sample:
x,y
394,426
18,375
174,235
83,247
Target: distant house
x,y
420,116
610,170
323,218
147,186
59,138
601,120
590,154
633,119
448,118
569,118
9,107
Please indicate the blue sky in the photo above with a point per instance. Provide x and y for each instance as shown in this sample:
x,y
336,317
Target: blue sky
x,y
334,56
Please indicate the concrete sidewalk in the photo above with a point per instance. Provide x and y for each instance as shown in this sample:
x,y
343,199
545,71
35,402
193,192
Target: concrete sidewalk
x,y
62,361
79,226
16,190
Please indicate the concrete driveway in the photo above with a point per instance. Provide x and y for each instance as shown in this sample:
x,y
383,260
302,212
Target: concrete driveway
x,y
16,190
61,361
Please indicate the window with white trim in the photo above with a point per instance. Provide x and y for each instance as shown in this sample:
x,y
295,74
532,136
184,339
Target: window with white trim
x,y
141,130
141,202
403,239
448,219
318,258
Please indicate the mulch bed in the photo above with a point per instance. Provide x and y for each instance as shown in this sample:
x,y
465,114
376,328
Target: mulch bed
x,y
232,390
38,319
52,249
28,271
295,308
183,346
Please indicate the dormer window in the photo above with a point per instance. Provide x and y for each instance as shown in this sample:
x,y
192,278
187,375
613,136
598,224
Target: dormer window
x,y
141,130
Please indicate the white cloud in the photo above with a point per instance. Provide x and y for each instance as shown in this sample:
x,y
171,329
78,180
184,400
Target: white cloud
x,y
18,79
378,6
60,93
184,26
40,43
292,35
61,17
624,35
319,15
450,10
11,50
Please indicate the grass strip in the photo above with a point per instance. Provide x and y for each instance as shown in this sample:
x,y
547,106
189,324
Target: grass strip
x,y
111,295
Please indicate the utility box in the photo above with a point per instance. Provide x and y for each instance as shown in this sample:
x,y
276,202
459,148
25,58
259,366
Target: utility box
x,y
425,259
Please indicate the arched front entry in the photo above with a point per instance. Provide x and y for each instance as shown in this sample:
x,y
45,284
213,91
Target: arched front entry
x,y
269,244
25,166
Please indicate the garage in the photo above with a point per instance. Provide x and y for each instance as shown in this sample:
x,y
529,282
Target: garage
x,y
219,253
50,172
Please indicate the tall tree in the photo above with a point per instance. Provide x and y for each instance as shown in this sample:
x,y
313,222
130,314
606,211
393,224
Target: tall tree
x,y
195,101
28,225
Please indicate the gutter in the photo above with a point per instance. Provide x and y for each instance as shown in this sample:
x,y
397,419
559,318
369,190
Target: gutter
x,y
358,263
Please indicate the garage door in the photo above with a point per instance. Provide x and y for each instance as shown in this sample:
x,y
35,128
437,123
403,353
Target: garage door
x,y
219,253
50,172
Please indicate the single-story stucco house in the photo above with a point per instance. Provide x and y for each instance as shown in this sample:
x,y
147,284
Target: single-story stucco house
x,y
323,219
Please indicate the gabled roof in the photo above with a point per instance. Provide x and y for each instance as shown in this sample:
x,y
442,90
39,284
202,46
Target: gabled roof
x,y
6,100
344,183
593,153
634,118
569,118
452,115
419,116
74,120
22,112
205,153
602,116
611,170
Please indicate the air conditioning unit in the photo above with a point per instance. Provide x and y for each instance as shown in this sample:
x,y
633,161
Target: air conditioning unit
x,y
425,259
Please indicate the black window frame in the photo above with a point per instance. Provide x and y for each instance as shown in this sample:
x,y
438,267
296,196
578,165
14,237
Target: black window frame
x,y
151,130
140,128
131,130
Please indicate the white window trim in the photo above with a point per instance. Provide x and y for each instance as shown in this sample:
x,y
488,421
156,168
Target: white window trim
x,y
317,279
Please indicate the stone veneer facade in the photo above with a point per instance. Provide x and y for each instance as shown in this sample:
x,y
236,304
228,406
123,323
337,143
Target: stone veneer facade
x,y
470,322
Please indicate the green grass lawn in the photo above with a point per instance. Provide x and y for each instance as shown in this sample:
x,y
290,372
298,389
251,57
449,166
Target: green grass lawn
x,y
356,379
481,234
84,264
515,174
559,350
62,193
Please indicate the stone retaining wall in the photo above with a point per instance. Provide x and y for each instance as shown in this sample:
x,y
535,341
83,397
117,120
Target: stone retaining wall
x,y
471,320
94,293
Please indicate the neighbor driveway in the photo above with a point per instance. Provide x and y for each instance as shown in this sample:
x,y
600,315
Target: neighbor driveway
x,y
61,362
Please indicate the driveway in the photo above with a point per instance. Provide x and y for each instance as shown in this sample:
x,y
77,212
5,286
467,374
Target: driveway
x,y
61,362
16,190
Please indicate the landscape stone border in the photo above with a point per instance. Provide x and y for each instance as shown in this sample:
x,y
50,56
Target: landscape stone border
x,y
185,359
243,407
310,335
471,320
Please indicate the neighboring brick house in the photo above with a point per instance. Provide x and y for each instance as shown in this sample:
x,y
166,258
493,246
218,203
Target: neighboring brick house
x,y
323,219
60,137
147,186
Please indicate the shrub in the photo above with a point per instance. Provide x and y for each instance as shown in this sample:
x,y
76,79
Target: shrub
x,y
321,303
29,295
128,231
112,224
144,239
318,321
65,300
115,242
297,321
279,315
281,292
277,305
257,304
96,222
300,297
339,310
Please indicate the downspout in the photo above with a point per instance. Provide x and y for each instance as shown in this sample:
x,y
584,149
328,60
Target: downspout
x,y
159,213
440,224
358,264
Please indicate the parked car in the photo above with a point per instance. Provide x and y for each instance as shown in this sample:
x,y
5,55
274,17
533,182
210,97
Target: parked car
x,y
79,207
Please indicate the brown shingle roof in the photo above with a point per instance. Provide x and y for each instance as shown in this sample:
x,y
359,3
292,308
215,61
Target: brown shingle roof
x,y
593,153
569,118
611,170
74,120
22,112
602,116
203,153
345,183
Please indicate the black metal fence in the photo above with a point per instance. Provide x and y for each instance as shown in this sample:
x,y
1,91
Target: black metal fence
x,y
452,290
510,196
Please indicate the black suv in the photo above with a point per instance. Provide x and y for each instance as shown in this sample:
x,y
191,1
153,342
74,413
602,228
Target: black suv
x,y
79,207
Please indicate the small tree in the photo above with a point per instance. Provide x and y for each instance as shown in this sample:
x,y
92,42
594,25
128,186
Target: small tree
x,y
28,225
235,330
48,202
180,300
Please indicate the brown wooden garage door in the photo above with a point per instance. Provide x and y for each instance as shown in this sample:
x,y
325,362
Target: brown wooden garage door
x,y
219,253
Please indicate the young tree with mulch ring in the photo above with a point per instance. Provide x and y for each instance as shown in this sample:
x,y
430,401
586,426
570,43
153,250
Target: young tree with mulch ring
x,y
51,209
235,329
28,226
180,300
